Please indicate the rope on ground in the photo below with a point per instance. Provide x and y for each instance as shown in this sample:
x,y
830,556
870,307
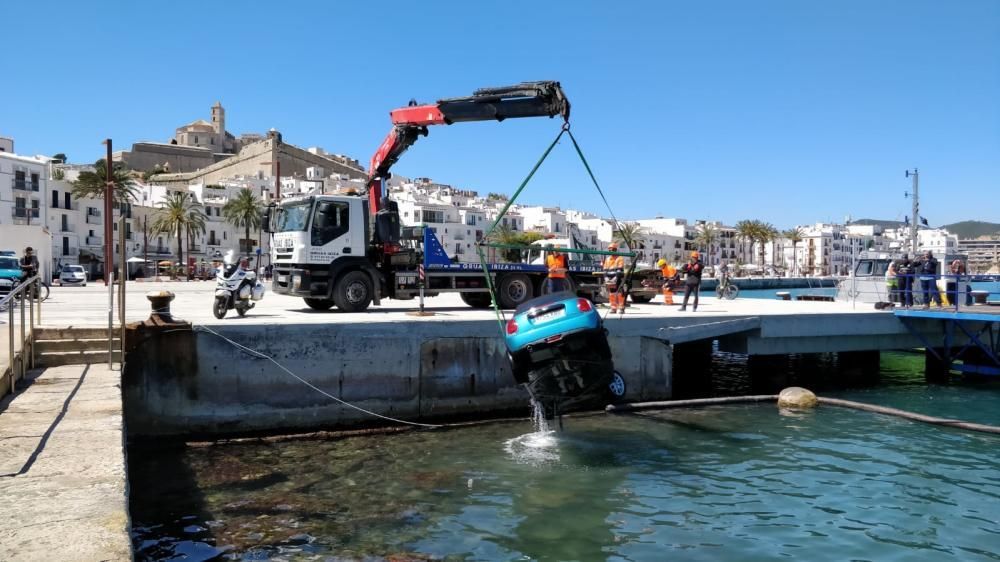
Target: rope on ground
x,y
260,355
884,410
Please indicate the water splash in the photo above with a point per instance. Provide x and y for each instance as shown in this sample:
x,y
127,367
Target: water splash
x,y
538,447
538,416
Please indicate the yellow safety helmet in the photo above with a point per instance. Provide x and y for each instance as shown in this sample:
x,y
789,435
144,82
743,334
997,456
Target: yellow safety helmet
x,y
661,263
695,255
613,246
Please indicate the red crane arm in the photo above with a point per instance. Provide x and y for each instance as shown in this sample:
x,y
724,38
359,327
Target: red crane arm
x,y
528,99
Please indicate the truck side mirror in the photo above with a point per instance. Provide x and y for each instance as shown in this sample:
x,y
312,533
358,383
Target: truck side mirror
x,y
265,219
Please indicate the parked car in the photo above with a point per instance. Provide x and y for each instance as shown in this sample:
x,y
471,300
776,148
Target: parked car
x,y
558,347
10,274
73,275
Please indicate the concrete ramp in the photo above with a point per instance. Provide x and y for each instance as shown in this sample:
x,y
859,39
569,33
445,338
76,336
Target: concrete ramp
x,y
708,330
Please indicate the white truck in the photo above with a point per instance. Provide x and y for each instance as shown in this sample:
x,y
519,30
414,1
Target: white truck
x,y
322,251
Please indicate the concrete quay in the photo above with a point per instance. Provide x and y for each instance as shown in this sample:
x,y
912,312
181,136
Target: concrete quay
x,y
452,364
62,468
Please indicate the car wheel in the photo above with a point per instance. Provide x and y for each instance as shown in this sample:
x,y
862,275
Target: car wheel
x,y
617,388
476,300
515,290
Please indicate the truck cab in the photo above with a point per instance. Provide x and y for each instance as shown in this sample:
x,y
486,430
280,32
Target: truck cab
x,y
317,241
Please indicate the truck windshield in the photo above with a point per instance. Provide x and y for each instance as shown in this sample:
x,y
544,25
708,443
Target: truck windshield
x,y
292,217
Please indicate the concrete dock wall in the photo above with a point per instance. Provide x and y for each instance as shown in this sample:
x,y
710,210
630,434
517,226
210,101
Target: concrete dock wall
x,y
195,383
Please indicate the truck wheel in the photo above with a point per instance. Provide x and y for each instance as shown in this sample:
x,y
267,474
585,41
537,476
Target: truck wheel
x,y
641,299
476,300
353,292
319,304
514,290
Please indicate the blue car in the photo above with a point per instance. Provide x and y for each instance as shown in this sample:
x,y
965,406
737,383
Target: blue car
x,y
558,347
10,274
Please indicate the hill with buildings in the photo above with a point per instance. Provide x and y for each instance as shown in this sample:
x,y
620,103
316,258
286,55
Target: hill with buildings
x,y
973,229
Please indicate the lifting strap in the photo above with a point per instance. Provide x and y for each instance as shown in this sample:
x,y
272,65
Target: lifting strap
x,y
484,243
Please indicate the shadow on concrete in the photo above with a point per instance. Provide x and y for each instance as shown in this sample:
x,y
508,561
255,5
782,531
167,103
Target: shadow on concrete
x,y
52,427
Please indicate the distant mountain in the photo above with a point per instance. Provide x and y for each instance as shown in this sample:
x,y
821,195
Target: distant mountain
x,y
877,222
973,229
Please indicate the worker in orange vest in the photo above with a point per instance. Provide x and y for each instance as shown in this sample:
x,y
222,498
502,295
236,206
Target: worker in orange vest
x,y
556,281
669,273
614,274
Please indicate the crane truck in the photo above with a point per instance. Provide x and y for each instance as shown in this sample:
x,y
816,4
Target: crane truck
x,y
350,251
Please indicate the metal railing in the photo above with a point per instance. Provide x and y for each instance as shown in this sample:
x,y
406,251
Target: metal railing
x,y
22,357
24,185
24,212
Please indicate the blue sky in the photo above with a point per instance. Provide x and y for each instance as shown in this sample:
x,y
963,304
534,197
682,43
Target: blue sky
x,y
787,111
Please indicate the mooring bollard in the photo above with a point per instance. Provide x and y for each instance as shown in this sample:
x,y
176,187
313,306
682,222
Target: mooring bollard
x,y
160,304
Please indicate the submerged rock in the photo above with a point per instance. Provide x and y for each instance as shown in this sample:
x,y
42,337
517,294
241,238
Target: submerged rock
x,y
797,397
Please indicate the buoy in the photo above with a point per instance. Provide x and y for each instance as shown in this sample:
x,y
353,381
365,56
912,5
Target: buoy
x,y
796,397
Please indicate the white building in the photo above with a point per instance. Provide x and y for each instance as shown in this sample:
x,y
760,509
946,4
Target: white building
x,y
23,188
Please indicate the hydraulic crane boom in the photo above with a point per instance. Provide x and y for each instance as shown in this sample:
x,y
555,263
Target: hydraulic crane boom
x,y
528,99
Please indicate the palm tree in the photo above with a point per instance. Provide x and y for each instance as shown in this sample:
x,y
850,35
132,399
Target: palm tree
x,y
244,210
706,239
746,231
632,234
765,232
179,213
92,184
794,235
503,234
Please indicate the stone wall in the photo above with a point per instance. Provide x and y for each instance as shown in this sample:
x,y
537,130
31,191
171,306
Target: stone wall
x,y
147,156
251,160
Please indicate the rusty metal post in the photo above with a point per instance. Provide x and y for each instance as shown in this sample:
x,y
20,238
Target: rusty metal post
x,y
109,257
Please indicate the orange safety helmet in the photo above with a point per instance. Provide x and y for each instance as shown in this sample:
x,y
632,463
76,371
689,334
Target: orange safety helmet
x,y
695,255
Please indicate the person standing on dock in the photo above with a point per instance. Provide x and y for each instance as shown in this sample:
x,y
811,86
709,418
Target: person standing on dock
x,y
614,274
928,269
904,276
892,283
556,262
692,280
955,284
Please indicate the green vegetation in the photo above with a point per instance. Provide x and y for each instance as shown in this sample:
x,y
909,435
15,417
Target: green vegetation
x,y
92,184
179,213
244,210
973,229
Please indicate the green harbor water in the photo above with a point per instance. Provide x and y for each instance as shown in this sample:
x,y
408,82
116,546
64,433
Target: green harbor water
x,y
720,483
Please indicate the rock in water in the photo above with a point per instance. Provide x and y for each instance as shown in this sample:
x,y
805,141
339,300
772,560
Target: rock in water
x,y
797,397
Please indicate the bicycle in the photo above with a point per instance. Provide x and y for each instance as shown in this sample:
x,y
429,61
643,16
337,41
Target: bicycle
x,y
726,290
41,294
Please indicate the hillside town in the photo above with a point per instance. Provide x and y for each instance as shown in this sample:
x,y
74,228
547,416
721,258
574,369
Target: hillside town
x,y
213,166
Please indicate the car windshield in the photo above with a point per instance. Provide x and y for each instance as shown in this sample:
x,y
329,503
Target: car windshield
x,y
9,263
293,216
545,300
74,269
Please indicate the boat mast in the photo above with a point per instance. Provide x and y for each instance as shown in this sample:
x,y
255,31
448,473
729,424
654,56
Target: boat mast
x,y
916,211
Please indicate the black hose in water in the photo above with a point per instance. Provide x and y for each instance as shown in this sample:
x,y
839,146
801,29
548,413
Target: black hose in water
x,y
913,416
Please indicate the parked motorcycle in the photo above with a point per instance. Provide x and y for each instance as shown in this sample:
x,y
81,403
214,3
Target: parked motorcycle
x,y
236,288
